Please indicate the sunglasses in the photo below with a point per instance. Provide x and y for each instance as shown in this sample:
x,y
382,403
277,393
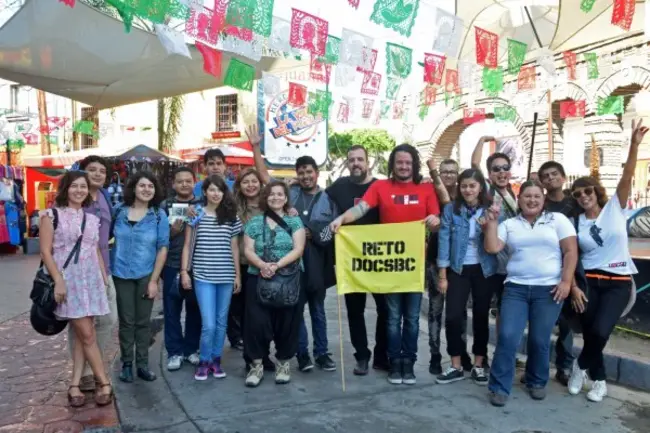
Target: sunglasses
x,y
499,168
587,191
449,173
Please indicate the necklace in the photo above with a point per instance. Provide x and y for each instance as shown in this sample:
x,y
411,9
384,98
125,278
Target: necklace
x,y
302,200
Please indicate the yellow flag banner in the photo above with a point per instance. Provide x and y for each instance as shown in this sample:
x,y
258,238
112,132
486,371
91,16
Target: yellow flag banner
x,y
382,258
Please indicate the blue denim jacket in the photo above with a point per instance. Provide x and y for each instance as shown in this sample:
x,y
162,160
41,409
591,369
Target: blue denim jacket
x,y
453,239
134,254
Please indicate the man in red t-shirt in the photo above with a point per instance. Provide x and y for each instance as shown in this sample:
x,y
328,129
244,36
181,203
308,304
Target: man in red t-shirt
x,y
401,198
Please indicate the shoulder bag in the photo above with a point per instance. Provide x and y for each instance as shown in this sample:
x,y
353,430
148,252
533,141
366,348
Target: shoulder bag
x,y
42,293
283,289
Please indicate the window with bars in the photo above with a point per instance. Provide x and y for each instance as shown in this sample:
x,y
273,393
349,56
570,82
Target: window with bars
x,y
91,114
226,113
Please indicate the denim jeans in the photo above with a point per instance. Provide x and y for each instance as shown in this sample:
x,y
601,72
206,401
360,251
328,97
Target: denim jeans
x,y
316,302
522,304
214,301
564,345
403,339
174,296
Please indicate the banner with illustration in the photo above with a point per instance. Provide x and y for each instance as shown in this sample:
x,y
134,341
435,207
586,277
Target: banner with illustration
x,y
385,258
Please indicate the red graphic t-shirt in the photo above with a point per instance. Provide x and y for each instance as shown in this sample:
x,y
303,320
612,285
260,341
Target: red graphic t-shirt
x,y
402,202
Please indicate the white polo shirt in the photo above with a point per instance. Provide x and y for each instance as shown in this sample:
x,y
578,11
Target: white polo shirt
x,y
534,250
604,243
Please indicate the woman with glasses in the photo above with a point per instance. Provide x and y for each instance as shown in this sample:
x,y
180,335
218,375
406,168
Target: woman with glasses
x,y
605,256
543,254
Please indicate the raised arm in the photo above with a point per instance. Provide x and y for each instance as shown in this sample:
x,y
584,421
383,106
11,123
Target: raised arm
x,y
625,184
441,190
477,155
255,139
493,243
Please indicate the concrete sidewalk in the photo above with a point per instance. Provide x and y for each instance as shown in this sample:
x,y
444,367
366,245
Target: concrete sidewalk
x,y
627,362
315,402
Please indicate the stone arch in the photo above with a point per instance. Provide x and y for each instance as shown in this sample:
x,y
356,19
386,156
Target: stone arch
x,y
451,127
566,91
634,75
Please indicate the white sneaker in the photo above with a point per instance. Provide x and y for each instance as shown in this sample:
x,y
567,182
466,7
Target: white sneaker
x,y
577,379
282,373
255,375
174,362
193,359
598,391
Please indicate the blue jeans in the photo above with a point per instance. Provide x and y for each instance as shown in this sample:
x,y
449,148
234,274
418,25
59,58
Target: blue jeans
x,y
176,343
522,304
316,302
214,301
403,340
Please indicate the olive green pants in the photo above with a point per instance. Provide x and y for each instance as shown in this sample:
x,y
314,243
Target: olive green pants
x,y
134,314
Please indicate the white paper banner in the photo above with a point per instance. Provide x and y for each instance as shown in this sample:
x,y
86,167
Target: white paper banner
x,y
173,41
465,74
280,35
449,31
546,60
344,75
250,49
353,47
272,83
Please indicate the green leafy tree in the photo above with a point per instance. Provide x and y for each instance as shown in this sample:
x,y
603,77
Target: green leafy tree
x,y
377,142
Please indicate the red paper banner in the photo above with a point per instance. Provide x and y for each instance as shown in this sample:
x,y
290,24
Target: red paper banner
x,y
211,59
570,58
623,13
319,71
354,3
239,32
371,82
434,66
572,108
67,3
487,48
398,110
344,113
368,105
527,78
308,32
373,60
297,94
451,81
429,95
473,115
205,25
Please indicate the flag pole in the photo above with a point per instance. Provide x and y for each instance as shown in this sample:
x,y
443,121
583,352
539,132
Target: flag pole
x,y
532,146
338,298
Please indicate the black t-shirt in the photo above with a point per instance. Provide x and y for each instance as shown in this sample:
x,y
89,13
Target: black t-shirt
x,y
345,194
175,249
567,206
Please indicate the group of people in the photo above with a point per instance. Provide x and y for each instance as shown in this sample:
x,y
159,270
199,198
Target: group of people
x,y
251,255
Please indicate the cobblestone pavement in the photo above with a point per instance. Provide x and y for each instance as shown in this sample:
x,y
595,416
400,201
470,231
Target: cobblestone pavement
x,y
35,370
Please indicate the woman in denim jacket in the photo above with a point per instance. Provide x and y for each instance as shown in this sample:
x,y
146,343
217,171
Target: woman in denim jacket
x,y
471,269
141,231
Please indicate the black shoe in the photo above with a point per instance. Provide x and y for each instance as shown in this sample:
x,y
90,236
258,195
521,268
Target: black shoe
x,y
361,369
146,374
498,400
237,345
434,365
381,364
395,374
126,375
450,375
562,377
304,363
325,362
408,376
466,362
268,364
479,377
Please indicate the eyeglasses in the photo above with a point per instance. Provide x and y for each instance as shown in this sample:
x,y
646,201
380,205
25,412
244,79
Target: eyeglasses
x,y
449,173
587,191
499,168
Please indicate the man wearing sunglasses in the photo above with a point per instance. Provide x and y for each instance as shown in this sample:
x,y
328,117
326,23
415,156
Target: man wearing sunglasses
x,y
552,176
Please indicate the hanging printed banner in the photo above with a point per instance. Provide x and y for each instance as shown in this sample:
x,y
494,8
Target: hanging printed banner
x,y
343,115
308,32
398,60
332,50
572,108
271,83
319,71
386,258
487,48
398,15
354,48
392,88
370,84
434,66
86,127
465,74
290,131
570,58
492,81
280,36
587,5
368,105
398,110
424,112
319,103
505,113
205,24
384,108
473,115
516,55
623,13
451,81
256,15
354,3
429,95
592,65
546,60
369,61
610,105
449,31
211,59
240,75
345,74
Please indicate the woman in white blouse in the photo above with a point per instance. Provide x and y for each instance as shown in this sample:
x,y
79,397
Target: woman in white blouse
x,y
542,253
605,256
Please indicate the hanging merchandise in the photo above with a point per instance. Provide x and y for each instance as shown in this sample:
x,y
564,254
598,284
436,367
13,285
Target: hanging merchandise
x,y
572,109
487,48
592,65
623,13
610,105
6,189
12,217
398,15
115,190
516,55
399,60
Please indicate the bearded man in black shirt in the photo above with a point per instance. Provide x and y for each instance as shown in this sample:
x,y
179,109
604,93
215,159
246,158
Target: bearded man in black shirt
x,y
345,193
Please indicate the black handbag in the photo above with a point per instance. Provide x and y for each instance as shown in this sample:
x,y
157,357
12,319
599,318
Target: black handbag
x,y
42,293
283,289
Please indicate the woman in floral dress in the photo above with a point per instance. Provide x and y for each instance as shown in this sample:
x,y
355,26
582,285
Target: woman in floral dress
x,y
80,289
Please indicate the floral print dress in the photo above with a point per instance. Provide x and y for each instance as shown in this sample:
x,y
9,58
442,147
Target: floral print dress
x,y
86,291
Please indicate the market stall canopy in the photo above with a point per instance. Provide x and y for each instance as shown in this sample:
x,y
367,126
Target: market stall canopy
x,y
235,153
138,153
145,153
85,55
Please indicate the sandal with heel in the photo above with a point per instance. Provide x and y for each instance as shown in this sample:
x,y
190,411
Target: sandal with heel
x,y
76,400
104,399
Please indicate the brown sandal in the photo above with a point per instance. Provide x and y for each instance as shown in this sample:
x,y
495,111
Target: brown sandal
x,y
76,400
104,399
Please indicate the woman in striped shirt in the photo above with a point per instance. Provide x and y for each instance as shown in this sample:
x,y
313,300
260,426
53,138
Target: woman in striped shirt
x,y
211,252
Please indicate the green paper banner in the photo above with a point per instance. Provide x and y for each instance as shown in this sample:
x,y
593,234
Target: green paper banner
x,y
392,88
492,81
319,103
240,75
516,55
398,60
332,50
424,111
587,5
398,15
86,127
592,65
505,113
610,105
256,15
385,108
